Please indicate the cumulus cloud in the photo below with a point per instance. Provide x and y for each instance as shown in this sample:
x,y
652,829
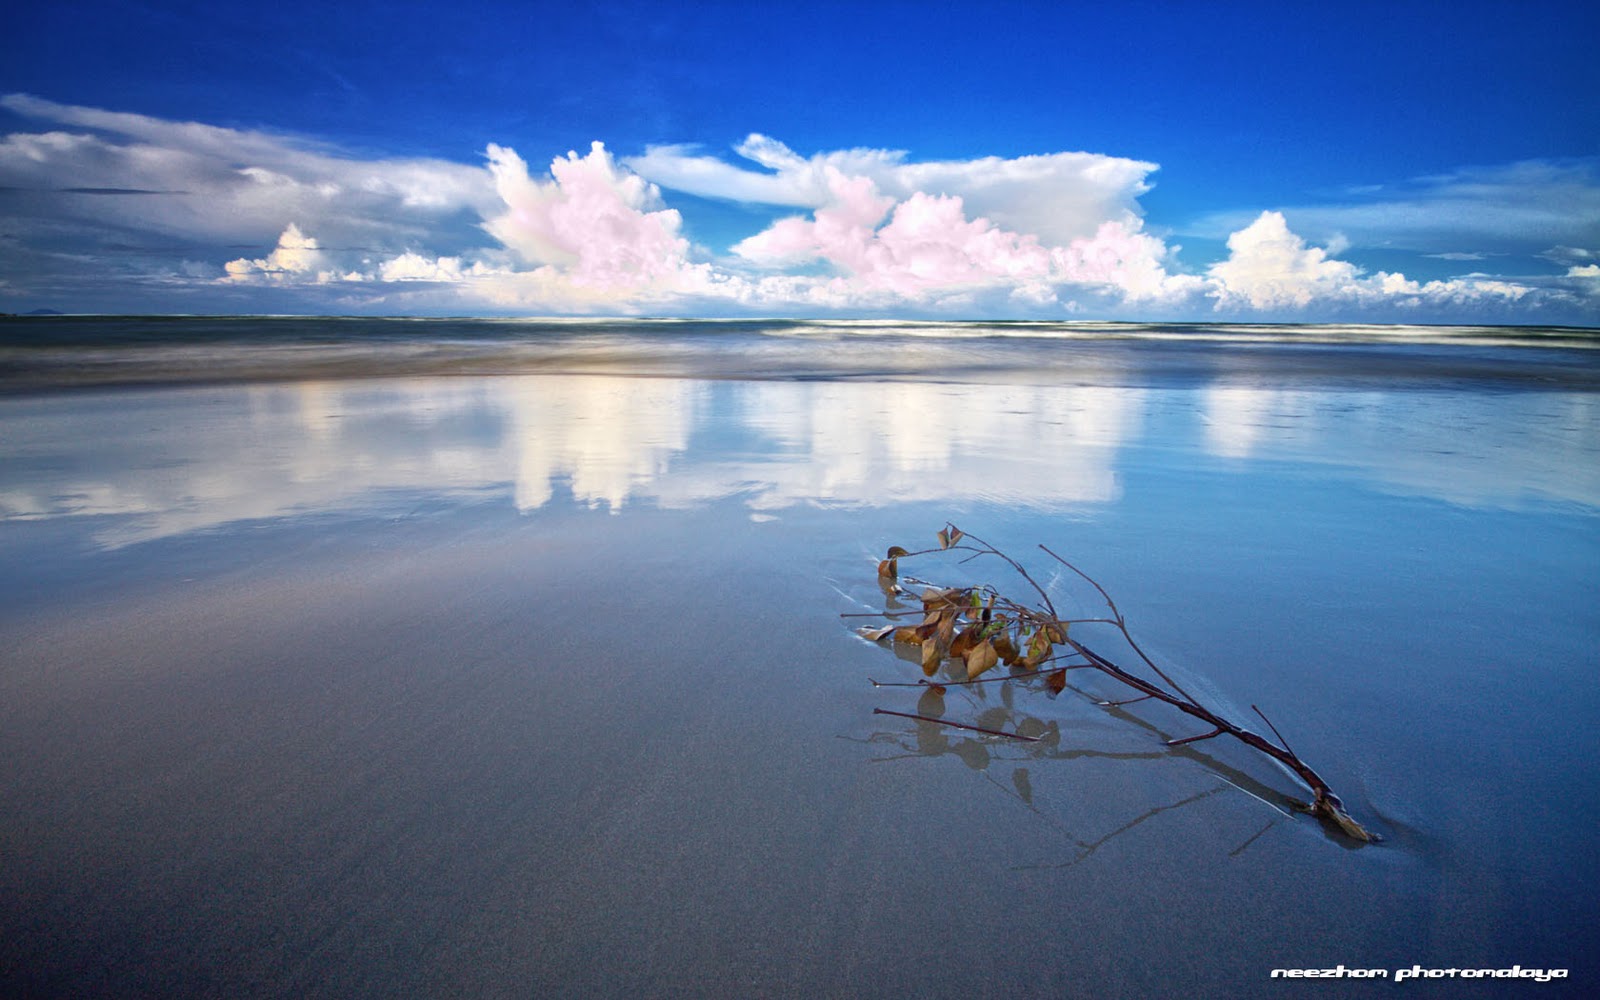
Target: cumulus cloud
x,y
918,232
872,229
295,256
930,247
1269,267
603,226
589,236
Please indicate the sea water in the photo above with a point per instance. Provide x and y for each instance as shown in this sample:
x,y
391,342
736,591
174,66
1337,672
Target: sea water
x,y
376,657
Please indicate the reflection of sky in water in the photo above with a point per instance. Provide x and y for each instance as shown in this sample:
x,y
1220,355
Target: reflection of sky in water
x,y
1404,580
168,462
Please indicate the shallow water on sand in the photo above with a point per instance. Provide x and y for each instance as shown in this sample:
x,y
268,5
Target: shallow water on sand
x,y
537,685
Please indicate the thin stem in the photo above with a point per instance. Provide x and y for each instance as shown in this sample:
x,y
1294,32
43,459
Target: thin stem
x,y
1122,625
1274,729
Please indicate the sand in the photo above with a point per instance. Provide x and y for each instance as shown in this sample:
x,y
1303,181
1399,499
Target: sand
x,y
537,686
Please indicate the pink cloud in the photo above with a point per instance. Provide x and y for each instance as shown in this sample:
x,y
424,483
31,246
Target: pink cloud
x,y
930,248
598,224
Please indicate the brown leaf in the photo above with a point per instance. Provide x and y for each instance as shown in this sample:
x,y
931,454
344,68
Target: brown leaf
x,y
954,599
888,570
896,552
1038,650
980,658
1056,631
1039,645
1056,680
907,635
868,632
944,539
1005,648
930,656
954,535
965,641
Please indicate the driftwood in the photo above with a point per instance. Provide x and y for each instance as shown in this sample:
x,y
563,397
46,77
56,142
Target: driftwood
x,y
984,629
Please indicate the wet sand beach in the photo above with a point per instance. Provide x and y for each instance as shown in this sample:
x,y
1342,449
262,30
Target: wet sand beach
x,y
535,683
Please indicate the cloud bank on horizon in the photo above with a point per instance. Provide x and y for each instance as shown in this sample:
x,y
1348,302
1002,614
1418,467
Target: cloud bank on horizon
x,y
124,211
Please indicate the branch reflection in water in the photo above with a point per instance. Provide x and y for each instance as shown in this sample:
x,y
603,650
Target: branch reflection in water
x,y
1042,748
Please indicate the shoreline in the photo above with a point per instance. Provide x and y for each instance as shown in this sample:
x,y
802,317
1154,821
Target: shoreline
x,y
52,354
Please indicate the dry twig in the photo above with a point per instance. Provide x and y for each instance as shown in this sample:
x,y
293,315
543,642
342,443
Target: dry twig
x,y
983,629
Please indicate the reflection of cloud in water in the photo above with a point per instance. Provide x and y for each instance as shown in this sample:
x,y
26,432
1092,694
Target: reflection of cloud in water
x,y
1478,448
152,464
879,442
612,438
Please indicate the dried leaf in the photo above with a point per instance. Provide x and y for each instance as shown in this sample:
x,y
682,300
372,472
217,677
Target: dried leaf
x,y
980,658
954,599
1056,631
868,632
954,535
1056,681
896,552
944,539
1005,648
965,641
888,570
930,656
907,635
1038,650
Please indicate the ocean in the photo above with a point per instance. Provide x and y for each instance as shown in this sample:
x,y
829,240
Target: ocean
x,y
490,657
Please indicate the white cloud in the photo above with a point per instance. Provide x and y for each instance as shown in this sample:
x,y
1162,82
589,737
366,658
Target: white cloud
x,y
415,267
1053,234
132,173
1269,267
296,256
1057,197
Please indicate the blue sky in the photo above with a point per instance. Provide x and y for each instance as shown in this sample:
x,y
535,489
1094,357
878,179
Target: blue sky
x,y
1396,162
